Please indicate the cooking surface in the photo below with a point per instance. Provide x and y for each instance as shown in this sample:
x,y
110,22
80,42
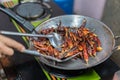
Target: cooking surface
x,y
25,67
33,10
30,10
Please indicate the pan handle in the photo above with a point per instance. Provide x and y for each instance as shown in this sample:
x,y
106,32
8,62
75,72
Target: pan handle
x,y
116,48
22,21
117,37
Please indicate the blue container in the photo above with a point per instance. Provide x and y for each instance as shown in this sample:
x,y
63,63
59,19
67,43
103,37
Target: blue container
x,y
65,5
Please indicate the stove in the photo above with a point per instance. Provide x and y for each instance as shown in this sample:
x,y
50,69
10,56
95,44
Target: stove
x,y
33,10
36,12
30,10
64,73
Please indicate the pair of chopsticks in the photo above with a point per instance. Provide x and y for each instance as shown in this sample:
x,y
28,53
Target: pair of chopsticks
x,y
8,4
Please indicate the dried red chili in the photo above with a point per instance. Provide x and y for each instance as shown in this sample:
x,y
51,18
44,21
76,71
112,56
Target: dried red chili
x,y
87,42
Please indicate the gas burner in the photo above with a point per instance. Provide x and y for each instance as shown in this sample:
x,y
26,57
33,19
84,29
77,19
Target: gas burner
x,y
30,10
33,10
64,73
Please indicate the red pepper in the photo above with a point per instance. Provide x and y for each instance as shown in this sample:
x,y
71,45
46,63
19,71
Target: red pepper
x,y
85,54
94,50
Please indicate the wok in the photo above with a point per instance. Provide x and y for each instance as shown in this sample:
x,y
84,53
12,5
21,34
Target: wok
x,y
104,33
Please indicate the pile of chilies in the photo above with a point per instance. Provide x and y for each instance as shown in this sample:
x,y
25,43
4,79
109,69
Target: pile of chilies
x,y
86,42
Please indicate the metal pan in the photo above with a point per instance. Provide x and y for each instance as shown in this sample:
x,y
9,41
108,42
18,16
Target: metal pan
x,y
103,31
105,35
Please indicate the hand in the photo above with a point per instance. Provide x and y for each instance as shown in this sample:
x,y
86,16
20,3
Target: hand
x,y
4,0
7,45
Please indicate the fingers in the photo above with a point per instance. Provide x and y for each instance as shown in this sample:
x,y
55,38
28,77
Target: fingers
x,y
4,50
11,44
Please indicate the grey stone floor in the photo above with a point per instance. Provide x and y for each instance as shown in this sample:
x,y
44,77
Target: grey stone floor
x,y
111,17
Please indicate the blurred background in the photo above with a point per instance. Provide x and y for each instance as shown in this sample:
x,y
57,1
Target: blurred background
x,y
91,8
